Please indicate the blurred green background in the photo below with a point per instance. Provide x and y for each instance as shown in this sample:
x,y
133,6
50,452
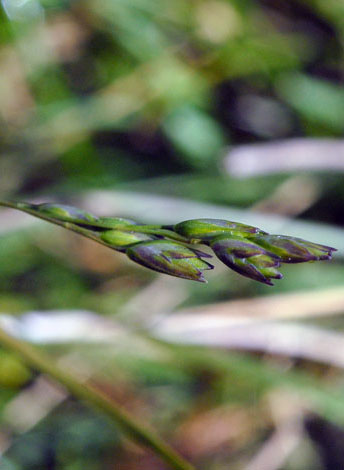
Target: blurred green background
x,y
164,111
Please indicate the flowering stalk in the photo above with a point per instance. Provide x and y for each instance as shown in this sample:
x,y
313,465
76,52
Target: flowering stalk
x,y
95,398
247,250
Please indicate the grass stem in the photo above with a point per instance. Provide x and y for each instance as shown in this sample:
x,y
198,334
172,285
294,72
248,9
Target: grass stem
x,y
96,399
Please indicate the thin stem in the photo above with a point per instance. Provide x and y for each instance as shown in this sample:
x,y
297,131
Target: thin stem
x,y
155,230
21,206
96,399
149,229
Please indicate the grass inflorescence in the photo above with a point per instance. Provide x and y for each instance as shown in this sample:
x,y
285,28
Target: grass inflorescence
x,y
170,249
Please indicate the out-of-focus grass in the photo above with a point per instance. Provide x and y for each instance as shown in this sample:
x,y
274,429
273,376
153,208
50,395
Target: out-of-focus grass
x,y
144,99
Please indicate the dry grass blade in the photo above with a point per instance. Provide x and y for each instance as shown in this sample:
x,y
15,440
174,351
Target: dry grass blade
x,y
297,305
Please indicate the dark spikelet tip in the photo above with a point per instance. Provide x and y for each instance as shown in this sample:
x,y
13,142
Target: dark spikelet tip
x,y
325,257
268,280
201,278
328,248
201,254
278,276
209,266
277,263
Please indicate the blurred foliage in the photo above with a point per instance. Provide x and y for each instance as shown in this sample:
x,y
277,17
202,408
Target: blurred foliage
x,y
150,96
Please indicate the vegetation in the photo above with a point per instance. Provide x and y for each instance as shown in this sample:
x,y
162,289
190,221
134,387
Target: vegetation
x,y
245,249
165,114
